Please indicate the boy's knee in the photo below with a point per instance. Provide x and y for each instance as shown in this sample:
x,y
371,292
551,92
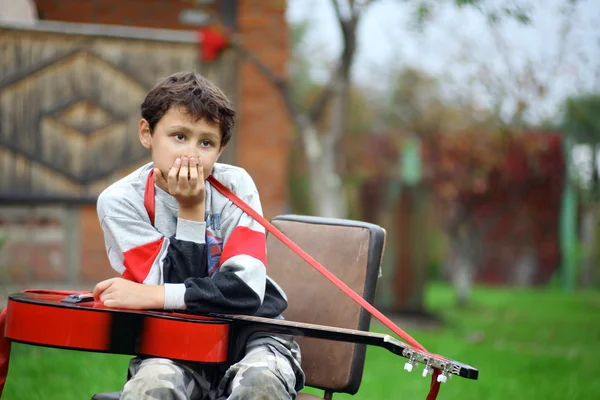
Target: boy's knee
x,y
138,389
264,384
157,381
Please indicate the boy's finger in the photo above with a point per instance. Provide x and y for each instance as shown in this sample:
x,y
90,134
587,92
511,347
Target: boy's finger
x,y
184,174
110,303
174,171
193,172
200,170
101,287
184,170
159,177
106,298
172,177
107,303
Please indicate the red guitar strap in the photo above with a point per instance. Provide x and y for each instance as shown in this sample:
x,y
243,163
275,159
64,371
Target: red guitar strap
x,y
149,196
435,385
149,203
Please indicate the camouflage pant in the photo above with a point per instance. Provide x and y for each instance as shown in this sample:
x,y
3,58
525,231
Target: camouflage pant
x,y
269,370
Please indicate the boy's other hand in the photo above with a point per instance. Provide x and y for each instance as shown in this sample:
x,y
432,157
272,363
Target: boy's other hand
x,y
122,293
186,182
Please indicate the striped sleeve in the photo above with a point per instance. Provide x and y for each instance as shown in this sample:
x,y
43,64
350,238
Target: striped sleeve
x,y
142,254
238,286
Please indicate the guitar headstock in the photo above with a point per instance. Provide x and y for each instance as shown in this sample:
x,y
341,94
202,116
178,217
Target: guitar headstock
x,y
430,361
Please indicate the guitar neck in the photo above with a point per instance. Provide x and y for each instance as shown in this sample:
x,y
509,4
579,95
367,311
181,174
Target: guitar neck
x,y
246,326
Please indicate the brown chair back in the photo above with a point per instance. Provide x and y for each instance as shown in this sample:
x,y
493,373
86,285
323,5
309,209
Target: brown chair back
x,y
352,251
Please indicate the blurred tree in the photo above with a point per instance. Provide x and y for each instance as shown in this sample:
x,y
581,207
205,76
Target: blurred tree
x,y
360,120
322,122
522,89
321,145
581,121
498,190
415,112
519,90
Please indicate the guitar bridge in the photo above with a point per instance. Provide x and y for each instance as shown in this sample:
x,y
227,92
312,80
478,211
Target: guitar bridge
x,y
78,298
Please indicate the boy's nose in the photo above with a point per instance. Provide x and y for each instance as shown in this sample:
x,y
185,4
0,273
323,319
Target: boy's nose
x,y
193,152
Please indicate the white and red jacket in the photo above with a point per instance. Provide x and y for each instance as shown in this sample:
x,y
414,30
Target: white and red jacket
x,y
212,266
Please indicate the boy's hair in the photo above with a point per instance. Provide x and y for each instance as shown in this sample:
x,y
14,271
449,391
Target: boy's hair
x,y
199,96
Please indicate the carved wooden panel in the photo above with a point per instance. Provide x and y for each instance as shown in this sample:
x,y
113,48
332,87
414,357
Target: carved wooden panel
x,y
70,100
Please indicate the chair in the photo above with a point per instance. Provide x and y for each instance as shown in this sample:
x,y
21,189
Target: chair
x,y
352,251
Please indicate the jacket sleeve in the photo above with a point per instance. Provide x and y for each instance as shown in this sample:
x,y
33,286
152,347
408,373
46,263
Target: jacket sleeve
x,y
238,286
140,253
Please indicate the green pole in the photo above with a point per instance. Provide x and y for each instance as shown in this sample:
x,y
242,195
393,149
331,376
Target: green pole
x,y
568,222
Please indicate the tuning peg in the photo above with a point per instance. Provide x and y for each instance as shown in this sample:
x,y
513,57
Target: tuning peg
x,y
410,364
427,370
445,375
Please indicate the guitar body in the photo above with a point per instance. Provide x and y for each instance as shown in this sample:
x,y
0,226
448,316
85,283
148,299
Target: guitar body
x,y
77,322
49,320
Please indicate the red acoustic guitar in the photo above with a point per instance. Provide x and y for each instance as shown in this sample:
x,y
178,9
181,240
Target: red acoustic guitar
x,y
78,322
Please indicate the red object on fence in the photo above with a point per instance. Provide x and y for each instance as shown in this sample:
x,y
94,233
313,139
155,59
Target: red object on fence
x,y
212,42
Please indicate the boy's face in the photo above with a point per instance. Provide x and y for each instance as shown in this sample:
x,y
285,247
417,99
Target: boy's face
x,y
177,134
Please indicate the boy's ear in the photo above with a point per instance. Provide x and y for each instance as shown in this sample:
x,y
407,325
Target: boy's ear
x,y
144,134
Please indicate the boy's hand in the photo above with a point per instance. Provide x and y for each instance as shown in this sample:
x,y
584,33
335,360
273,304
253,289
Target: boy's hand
x,y
185,182
121,293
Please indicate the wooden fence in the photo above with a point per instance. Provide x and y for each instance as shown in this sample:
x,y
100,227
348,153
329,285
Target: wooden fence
x,y
70,97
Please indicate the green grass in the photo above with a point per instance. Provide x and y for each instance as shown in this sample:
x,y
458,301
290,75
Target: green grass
x,y
527,344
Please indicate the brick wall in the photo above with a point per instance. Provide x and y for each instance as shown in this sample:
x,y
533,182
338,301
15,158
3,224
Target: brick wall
x,y
51,244
146,13
34,245
94,265
260,146
265,129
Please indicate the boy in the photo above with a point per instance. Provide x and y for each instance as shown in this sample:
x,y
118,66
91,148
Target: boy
x,y
180,244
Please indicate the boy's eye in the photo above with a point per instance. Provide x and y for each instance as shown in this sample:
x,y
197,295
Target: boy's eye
x,y
180,136
206,143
